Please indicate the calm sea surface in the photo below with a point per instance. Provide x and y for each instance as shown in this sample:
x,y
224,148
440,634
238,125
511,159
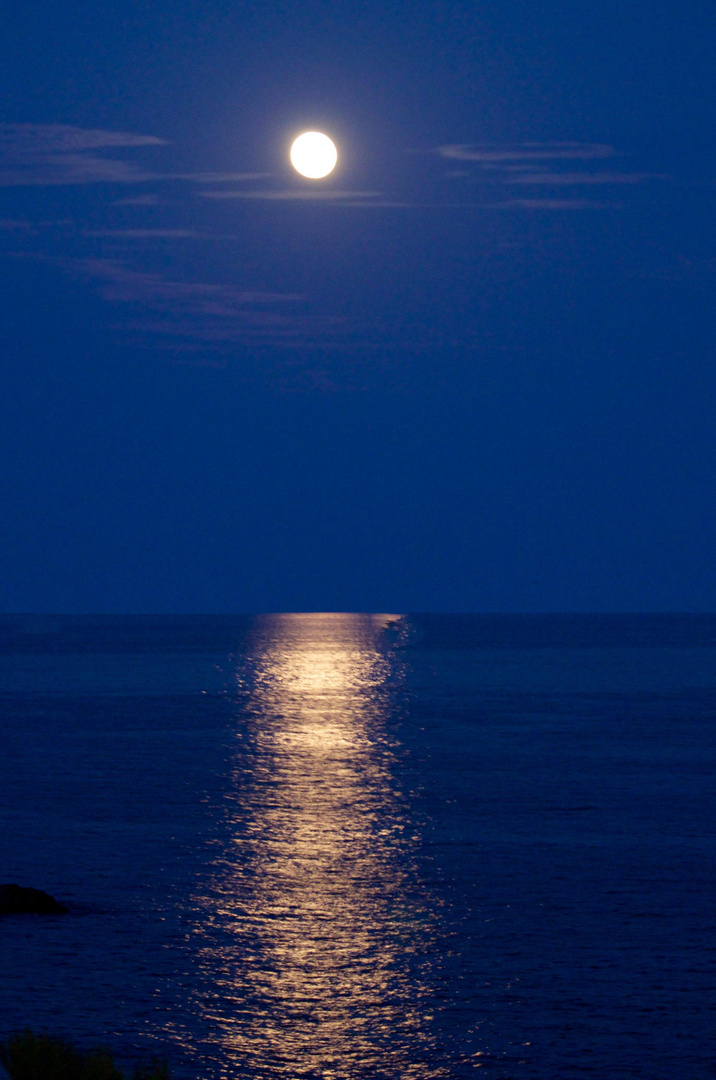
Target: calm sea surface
x,y
365,846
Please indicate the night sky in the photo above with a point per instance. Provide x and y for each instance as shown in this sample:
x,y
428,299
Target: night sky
x,y
472,370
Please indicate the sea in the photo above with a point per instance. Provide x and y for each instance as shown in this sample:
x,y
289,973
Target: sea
x,y
364,847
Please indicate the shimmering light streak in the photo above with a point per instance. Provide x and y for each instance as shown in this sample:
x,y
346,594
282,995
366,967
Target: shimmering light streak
x,y
312,942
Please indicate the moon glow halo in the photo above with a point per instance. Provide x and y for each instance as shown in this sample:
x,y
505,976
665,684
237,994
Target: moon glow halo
x,y
313,155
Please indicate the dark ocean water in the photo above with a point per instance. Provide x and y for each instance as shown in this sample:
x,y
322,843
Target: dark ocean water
x,y
365,847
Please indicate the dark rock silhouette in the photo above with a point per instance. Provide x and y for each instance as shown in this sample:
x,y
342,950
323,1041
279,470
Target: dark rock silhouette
x,y
17,900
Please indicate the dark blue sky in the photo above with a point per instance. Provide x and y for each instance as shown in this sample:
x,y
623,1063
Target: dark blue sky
x,y
473,370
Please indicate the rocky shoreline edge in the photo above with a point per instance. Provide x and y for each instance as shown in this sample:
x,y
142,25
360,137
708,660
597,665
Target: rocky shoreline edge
x,y
22,900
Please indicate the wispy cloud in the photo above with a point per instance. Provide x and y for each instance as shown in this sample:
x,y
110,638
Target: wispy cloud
x,y
564,151
207,313
59,169
63,139
556,204
572,178
57,154
558,165
146,199
297,194
134,286
146,234
219,177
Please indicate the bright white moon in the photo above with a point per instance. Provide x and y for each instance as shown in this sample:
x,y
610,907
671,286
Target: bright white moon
x,y
313,155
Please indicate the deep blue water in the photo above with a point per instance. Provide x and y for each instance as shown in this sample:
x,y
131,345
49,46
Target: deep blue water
x,y
356,846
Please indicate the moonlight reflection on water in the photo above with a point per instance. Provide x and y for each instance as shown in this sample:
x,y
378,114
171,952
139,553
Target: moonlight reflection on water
x,y
313,932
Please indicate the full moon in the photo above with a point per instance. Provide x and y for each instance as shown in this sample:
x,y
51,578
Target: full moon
x,y
313,155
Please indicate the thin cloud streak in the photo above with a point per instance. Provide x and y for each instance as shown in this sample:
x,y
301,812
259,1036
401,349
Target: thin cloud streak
x,y
148,199
134,286
556,204
213,315
46,155
147,234
528,152
568,179
32,139
55,154
69,169
219,177
520,166
298,194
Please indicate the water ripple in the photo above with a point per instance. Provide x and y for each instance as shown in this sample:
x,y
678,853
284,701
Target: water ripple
x,y
312,936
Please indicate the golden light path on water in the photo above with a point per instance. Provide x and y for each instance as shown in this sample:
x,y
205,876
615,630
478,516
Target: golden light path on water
x,y
314,929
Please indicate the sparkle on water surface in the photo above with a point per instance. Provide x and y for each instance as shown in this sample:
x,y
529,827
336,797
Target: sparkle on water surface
x,y
309,936
364,847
